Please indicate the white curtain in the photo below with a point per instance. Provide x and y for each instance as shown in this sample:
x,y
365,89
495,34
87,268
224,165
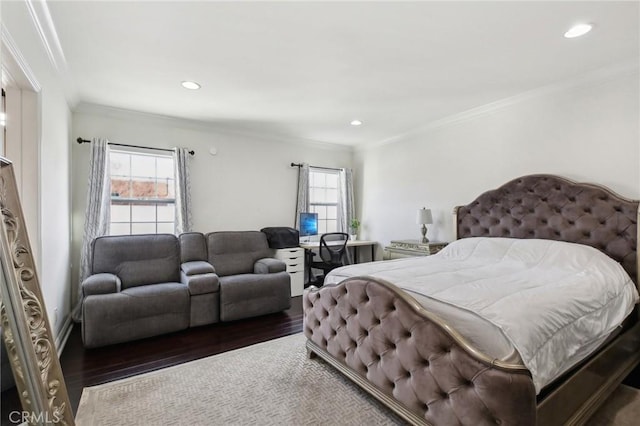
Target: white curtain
x,y
303,193
184,219
345,201
97,214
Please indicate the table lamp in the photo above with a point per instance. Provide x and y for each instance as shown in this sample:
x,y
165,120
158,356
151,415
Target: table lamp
x,y
424,218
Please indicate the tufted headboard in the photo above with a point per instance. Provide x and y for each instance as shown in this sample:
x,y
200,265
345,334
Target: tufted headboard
x,y
553,208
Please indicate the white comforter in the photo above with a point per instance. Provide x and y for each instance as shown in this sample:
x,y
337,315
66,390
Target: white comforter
x,y
555,301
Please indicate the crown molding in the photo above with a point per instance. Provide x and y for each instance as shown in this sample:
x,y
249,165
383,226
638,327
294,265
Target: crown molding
x,y
9,45
42,21
46,29
599,76
201,125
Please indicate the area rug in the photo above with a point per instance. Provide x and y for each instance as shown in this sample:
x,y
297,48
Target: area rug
x,y
271,383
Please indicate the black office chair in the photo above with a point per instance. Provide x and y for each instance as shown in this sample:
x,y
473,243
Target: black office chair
x,y
333,253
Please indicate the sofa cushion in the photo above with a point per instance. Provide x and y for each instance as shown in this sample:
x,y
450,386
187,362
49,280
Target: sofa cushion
x,y
158,297
193,247
135,313
138,259
249,295
236,252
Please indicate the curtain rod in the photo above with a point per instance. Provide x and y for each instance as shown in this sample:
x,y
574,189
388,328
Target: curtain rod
x,y
81,141
298,165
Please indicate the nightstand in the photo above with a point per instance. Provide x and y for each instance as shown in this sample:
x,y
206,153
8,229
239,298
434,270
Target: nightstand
x,y
408,248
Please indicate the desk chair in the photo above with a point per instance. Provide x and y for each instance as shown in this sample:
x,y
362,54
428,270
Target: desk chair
x,y
332,255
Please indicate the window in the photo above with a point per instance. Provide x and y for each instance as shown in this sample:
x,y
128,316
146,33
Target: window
x,y
142,193
323,198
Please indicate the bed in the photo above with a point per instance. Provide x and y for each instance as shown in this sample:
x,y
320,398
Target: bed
x,y
415,360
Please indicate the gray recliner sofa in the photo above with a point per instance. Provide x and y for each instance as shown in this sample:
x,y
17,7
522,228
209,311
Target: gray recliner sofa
x,y
135,290
145,285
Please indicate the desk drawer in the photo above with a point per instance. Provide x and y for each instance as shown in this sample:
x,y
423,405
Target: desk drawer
x,y
295,266
289,251
290,255
291,260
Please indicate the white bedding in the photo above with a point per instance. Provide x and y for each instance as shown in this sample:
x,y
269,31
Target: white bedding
x,y
555,302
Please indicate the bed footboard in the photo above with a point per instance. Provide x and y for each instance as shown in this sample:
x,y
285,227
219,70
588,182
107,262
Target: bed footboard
x,y
410,360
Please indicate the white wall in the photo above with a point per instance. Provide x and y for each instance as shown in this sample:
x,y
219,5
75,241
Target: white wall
x,y
248,185
589,133
54,165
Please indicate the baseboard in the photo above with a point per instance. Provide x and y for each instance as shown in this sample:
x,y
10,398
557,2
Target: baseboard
x,y
63,336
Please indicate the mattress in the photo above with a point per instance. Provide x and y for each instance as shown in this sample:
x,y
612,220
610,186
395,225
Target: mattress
x,y
547,303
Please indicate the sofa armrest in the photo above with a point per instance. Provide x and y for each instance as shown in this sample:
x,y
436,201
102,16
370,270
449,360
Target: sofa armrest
x,y
269,265
197,267
101,284
201,283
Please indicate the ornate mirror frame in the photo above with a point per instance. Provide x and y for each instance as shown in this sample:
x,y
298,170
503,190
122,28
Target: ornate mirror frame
x,y
27,333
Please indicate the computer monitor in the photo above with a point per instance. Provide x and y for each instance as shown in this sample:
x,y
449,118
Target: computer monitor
x,y
308,224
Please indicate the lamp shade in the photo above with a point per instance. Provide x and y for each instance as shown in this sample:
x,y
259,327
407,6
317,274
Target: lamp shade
x,y
424,217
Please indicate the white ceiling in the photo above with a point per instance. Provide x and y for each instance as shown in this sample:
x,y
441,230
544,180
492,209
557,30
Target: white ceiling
x,y
304,70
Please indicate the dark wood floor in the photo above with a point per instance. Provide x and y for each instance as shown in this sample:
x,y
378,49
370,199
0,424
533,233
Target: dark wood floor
x,y
83,367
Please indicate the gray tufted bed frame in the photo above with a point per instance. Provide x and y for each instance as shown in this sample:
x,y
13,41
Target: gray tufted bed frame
x,y
425,371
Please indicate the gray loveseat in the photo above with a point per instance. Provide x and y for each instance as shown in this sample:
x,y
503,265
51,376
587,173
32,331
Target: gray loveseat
x,y
145,285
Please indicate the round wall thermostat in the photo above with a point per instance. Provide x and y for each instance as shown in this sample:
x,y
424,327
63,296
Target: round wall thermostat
x,y
213,151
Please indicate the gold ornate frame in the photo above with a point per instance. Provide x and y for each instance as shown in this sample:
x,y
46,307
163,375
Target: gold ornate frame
x,y
25,325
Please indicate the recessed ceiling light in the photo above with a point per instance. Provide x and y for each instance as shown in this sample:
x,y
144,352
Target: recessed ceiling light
x,y
191,85
356,123
578,30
